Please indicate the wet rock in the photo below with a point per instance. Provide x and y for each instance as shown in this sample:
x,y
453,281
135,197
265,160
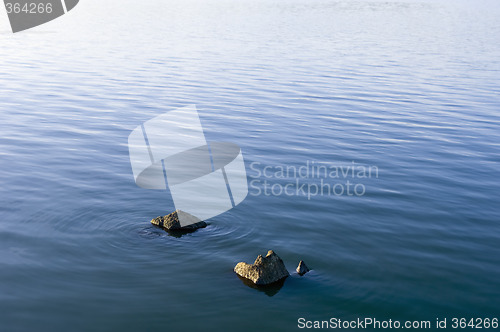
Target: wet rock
x,y
171,222
302,268
264,271
270,290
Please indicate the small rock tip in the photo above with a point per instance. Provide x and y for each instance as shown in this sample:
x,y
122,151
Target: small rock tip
x,y
302,268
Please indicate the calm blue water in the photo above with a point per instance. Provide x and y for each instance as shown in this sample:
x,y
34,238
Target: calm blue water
x,y
411,87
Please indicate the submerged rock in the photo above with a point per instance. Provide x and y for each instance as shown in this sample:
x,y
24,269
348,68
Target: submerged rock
x,y
264,271
171,222
302,268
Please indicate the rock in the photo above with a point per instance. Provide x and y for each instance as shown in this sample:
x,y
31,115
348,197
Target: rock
x,y
171,222
302,268
264,271
270,290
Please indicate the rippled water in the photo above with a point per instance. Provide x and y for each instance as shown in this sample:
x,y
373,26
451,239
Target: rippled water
x,y
411,87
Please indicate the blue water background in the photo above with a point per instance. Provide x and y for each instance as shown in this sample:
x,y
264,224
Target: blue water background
x,y
411,87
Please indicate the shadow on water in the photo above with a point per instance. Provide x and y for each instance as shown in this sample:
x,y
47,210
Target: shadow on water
x,y
178,233
269,290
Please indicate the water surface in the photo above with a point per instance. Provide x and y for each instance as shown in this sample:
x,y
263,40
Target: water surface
x,y
411,87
